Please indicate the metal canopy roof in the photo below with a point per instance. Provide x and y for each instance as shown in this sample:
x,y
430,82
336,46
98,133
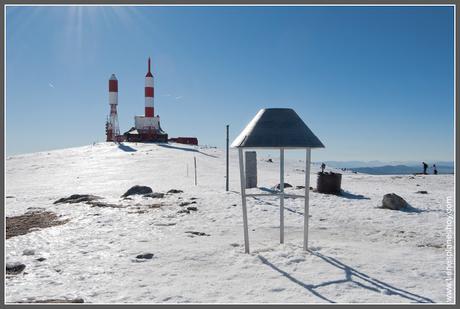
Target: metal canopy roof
x,y
277,128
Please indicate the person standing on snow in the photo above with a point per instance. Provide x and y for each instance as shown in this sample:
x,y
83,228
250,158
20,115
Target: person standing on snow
x,y
323,166
425,166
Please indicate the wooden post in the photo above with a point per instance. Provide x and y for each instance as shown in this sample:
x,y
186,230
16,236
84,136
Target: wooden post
x,y
226,178
243,200
194,162
307,196
281,196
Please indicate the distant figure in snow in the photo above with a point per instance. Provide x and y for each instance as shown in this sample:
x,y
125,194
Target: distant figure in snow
x,y
425,166
323,166
435,171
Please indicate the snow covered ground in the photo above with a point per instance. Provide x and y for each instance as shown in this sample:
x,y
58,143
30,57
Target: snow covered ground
x,y
359,252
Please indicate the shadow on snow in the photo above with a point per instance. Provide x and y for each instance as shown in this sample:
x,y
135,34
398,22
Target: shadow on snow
x,y
351,274
185,149
126,148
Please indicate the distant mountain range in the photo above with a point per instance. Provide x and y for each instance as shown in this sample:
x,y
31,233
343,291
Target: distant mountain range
x,y
392,168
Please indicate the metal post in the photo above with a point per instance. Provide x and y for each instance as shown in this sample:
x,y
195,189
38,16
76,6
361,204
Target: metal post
x,y
281,196
194,162
307,196
243,199
226,178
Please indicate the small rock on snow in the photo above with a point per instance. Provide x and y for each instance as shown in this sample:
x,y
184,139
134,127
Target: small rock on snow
x,y
186,203
14,268
422,192
28,252
183,211
393,201
138,190
192,208
55,301
77,198
145,256
197,233
286,185
172,191
155,195
41,259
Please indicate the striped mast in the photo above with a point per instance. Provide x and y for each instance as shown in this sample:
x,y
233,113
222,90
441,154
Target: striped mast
x,y
149,108
113,129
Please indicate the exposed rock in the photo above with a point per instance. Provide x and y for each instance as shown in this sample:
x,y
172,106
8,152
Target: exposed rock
x,y
155,195
192,208
103,204
173,191
137,190
270,161
197,233
422,192
41,259
14,268
77,198
54,301
28,252
286,185
183,211
31,221
393,201
147,256
186,203
154,206
438,246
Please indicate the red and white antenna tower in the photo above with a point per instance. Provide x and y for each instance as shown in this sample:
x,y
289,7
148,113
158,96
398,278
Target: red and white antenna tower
x,y
149,108
112,128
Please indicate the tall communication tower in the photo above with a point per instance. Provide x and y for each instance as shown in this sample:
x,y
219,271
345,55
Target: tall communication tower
x,y
112,128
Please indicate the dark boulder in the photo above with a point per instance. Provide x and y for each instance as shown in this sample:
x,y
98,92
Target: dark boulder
x,y
286,185
186,203
197,233
147,256
173,191
77,198
155,195
55,301
393,201
14,268
137,190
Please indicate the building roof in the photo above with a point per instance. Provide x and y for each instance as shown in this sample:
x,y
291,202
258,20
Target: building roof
x,y
277,128
132,132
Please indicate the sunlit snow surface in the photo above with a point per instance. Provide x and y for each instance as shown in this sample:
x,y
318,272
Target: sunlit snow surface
x,y
360,253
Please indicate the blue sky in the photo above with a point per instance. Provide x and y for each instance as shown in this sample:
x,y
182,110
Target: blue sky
x,y
373,83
